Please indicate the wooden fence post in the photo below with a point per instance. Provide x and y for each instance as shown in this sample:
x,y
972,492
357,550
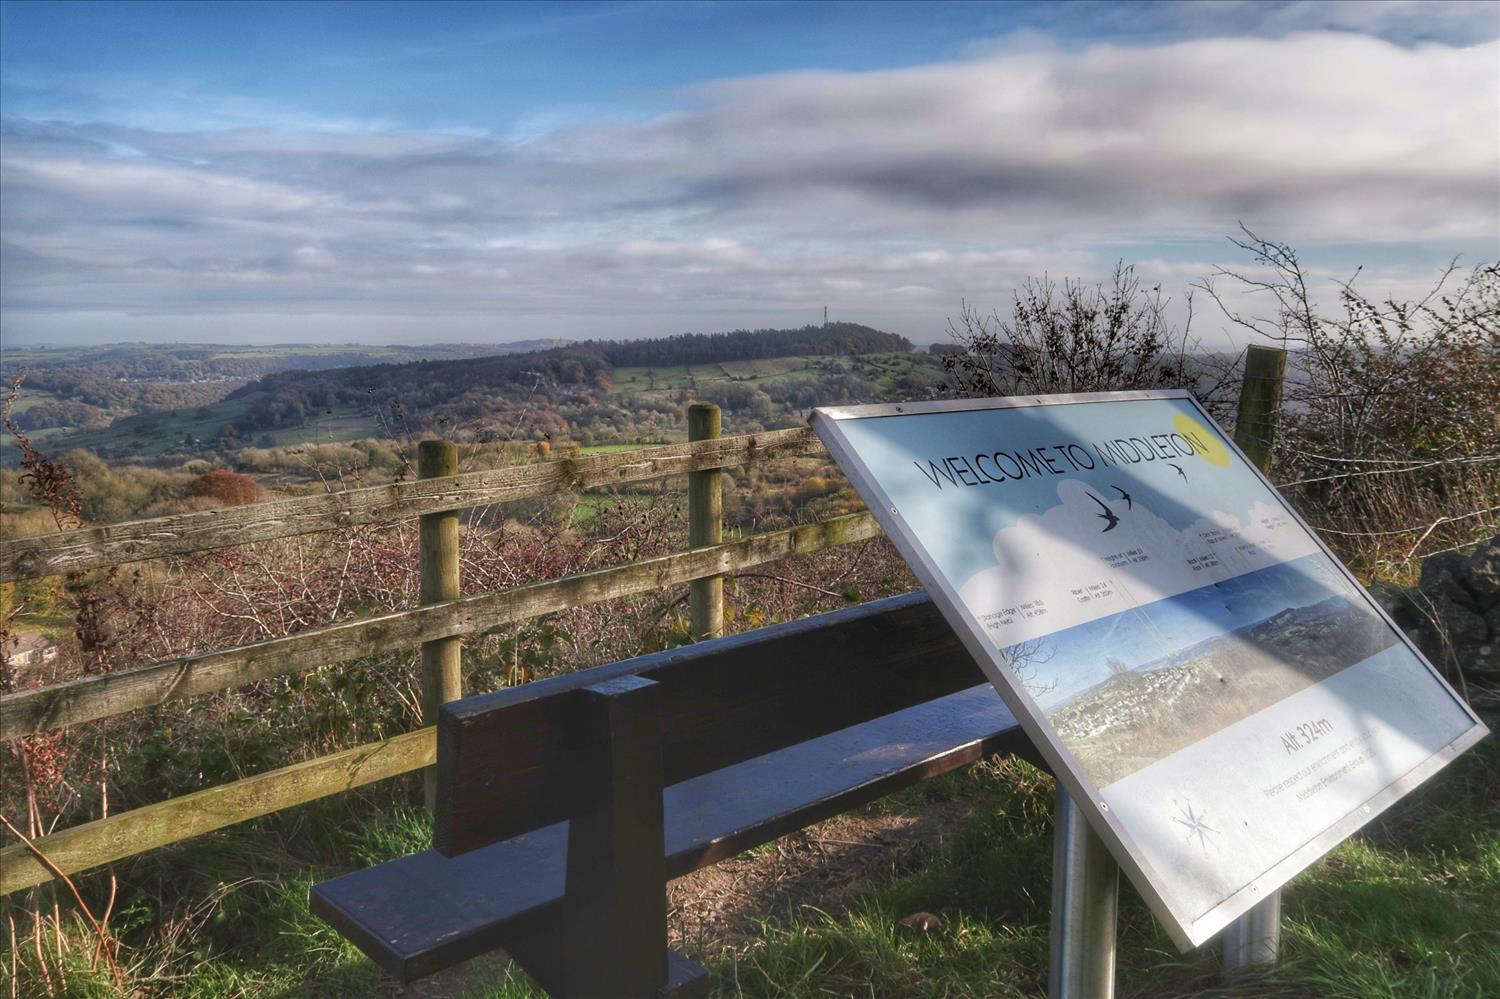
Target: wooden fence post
x,y
442,671
705,525
1260,403
1254,939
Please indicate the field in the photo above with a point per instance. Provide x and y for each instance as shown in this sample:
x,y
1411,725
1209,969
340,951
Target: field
x,y
28,398
665,379
190,431
882,369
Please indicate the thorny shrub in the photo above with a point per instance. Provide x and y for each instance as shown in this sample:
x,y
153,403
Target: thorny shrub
x,y
1077,337
1390,441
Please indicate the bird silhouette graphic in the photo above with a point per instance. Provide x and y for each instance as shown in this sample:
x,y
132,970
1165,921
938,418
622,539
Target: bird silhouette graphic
x,y
1179,471
1108,514
1124,496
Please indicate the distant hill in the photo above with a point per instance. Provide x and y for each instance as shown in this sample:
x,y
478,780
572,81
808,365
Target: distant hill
x,y
455,390
749,345
599,392
78,387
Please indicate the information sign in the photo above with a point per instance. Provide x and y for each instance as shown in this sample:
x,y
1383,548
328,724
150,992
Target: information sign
x,y
1216,691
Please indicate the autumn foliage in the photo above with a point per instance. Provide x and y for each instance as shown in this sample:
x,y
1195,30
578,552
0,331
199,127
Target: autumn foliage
x,y
229,488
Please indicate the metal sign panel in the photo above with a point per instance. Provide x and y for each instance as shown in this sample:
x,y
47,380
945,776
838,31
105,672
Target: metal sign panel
x,y
1215,690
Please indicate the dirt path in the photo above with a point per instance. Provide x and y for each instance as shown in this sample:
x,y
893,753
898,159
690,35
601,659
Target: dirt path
x,y
722,907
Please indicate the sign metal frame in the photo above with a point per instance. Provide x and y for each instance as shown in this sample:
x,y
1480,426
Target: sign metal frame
x,y
944,593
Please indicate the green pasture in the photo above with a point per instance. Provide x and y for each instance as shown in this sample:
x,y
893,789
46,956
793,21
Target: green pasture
x,y
27,398
611,448
657,379
150,435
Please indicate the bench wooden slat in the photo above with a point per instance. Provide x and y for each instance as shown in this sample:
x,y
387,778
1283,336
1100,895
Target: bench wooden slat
x,y
518,759
418,914
718,815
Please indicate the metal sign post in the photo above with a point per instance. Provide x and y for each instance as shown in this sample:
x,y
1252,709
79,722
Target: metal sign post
x,y
1255,938
1085,897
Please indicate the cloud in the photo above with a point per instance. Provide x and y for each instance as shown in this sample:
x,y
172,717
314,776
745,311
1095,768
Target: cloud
x,y
891,194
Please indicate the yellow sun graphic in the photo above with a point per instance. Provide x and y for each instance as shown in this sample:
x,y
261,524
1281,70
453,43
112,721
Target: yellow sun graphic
x,y
1204,440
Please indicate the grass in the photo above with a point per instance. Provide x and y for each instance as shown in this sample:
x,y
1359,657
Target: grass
x,y
758,372
884,371
662,379
1410,907
28,398
586,512
1407,908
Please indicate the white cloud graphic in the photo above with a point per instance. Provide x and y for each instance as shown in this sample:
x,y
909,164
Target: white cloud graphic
x,y
1079,571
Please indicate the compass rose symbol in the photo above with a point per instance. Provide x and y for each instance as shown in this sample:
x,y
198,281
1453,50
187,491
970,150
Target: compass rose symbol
x,y
1195,823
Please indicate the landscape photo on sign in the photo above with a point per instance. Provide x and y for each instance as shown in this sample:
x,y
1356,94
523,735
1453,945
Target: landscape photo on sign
x,y
1221,692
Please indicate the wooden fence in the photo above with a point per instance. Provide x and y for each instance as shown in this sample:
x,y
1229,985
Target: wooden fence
x,y
437,624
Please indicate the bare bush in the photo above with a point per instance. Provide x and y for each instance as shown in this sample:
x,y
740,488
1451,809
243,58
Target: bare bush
x,y
1076,337
1390,444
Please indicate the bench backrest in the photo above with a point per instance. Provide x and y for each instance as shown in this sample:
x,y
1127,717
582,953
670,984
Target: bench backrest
x,y
516,760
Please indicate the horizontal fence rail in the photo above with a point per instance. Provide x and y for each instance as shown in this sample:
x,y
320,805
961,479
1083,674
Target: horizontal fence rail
x,y
141,540
92,844
102,695
140,829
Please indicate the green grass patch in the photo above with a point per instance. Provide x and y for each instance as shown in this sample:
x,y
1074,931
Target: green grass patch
x,y
1407,908
1410,907
586,511
611,448
151,435
28,398
660,379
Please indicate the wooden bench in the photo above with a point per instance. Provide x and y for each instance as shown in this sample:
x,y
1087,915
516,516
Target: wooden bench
x,y
564,806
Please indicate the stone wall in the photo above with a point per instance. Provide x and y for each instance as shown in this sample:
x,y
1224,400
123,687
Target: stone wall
x,y
1453,614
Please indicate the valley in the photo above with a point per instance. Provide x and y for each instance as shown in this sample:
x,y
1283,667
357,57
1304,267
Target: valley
x,y
1139,716
205,405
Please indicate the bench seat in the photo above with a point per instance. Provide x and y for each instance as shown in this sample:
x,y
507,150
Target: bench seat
x,y
419,914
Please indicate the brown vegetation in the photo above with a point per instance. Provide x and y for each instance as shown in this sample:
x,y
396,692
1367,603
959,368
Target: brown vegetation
x,y
1390,445
226,487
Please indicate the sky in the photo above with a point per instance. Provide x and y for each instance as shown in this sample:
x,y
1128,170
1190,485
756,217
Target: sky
x,y
366,173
